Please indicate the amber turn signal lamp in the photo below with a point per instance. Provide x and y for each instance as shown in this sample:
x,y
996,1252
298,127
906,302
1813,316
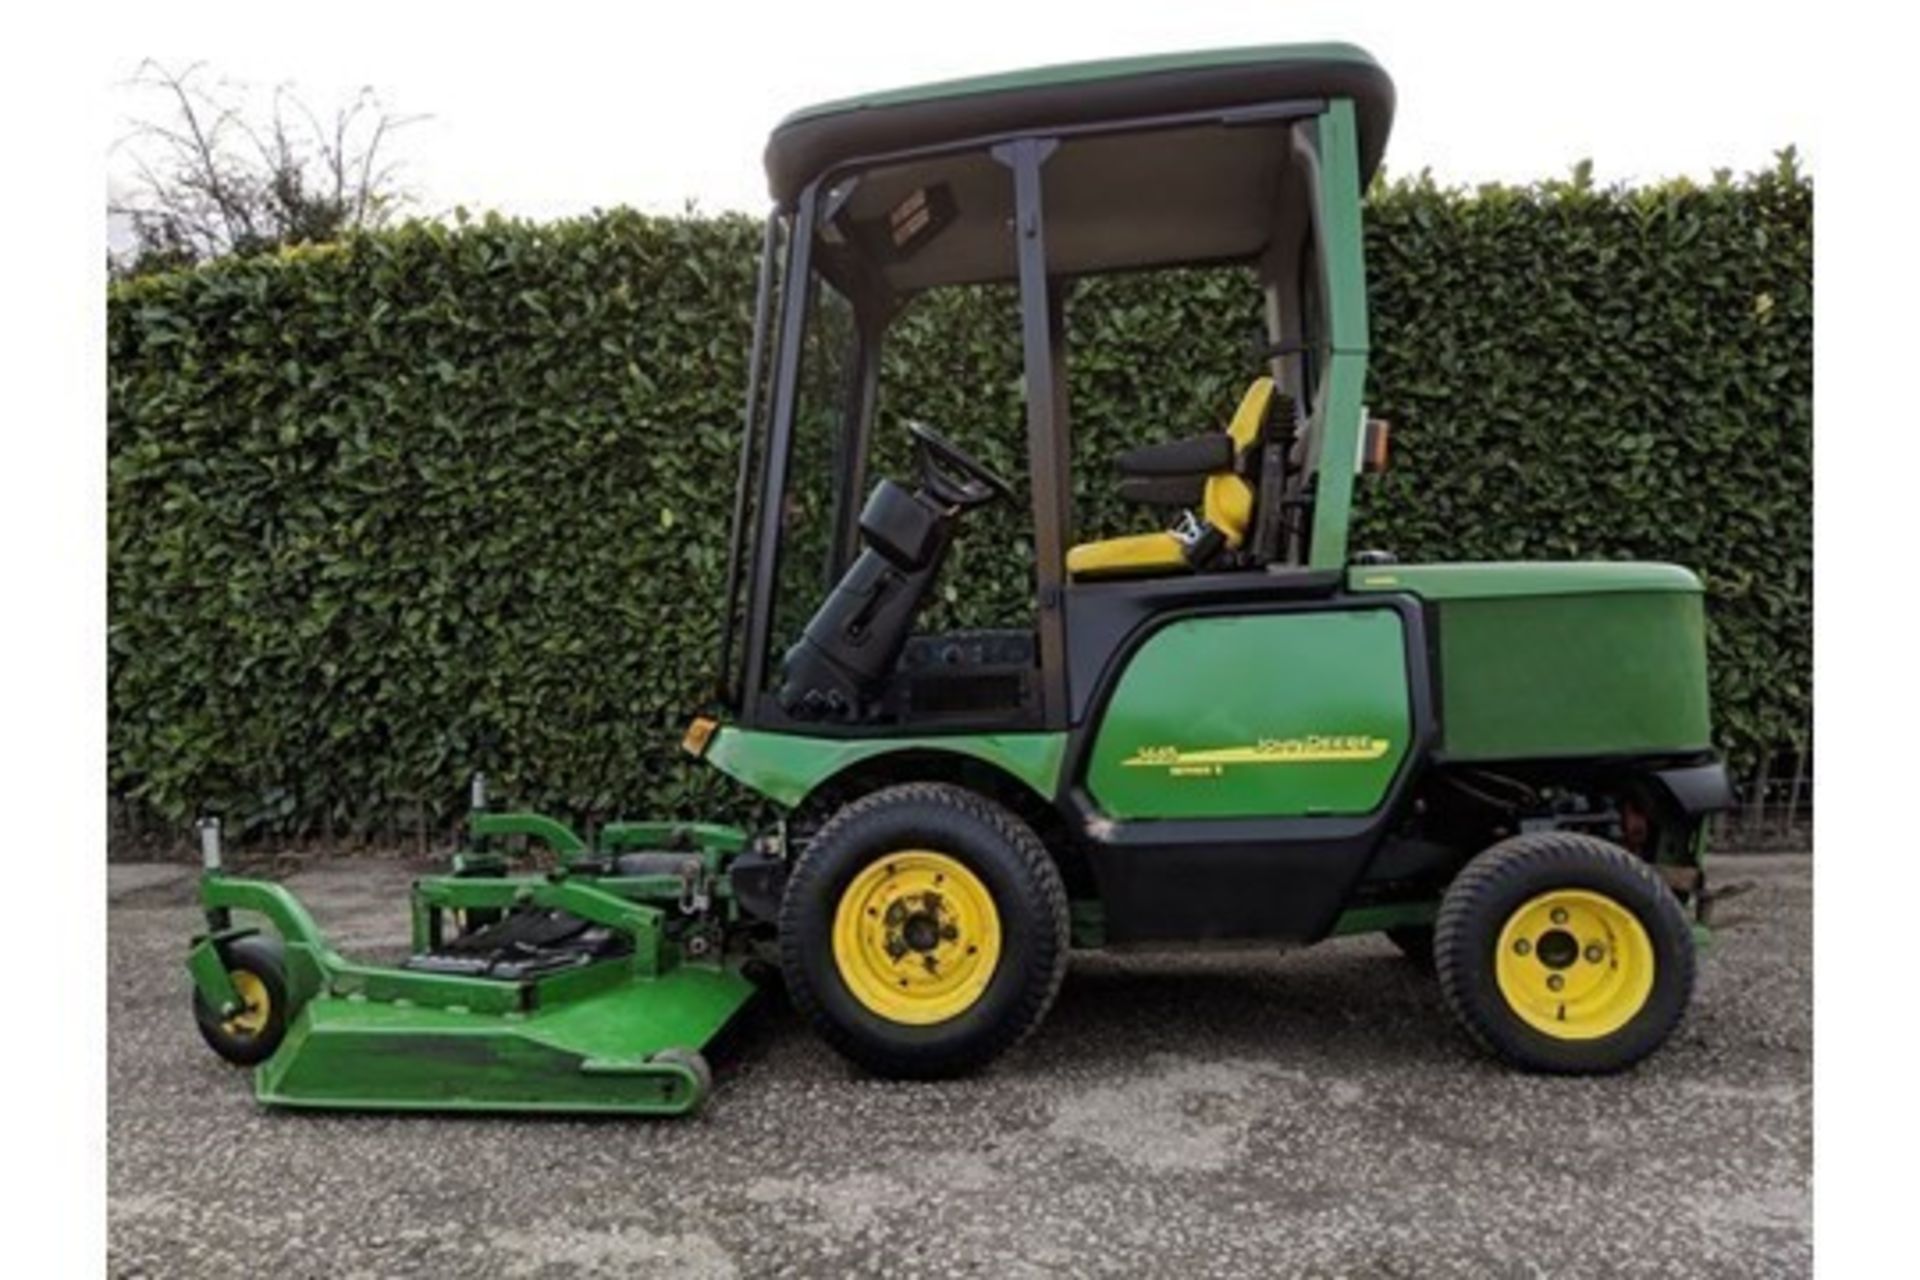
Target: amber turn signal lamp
x,y
1374,455
699,734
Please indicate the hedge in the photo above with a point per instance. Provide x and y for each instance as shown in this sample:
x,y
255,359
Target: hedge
x,y
455,497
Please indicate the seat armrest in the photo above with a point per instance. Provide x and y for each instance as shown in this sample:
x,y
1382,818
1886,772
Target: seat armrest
x,y
1196,457
1164,491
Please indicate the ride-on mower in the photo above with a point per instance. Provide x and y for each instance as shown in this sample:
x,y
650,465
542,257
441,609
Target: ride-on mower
x,y
1229,727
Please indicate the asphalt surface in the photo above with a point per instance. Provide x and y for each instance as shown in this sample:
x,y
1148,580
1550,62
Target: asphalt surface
x,y
1225,1114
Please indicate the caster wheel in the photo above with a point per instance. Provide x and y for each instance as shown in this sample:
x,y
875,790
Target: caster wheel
x,y
258,969
695,1062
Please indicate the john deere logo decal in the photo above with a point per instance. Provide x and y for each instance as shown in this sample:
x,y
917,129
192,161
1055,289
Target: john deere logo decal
x,y
1211,762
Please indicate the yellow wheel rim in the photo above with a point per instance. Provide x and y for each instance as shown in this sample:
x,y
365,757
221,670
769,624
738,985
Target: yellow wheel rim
x,y
252,1019
1574,964
916,937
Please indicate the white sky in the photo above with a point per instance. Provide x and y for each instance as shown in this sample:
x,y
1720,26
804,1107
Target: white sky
x,y
560,107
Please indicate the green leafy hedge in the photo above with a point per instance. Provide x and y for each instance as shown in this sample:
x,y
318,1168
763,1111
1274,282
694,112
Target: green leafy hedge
x,y
439,499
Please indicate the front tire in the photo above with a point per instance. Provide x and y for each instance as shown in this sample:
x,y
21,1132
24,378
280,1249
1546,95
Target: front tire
x,y
1564,953
924,931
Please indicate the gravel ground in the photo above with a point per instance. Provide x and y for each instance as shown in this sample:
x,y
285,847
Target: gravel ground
x,y
1221,1114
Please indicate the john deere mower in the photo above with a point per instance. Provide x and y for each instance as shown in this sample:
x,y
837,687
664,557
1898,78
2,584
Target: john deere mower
x,y
1228,725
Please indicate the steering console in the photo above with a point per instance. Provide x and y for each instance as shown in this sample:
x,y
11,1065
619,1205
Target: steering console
x,y
842,664
953,476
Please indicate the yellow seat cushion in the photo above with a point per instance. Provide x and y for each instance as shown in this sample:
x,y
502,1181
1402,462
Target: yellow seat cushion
x,y
1136,553
1226,505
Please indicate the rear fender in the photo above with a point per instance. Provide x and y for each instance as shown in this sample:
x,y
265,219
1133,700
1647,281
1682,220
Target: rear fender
x,y
1697,790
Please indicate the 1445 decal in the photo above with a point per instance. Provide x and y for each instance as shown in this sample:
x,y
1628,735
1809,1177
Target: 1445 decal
x,y
1211,762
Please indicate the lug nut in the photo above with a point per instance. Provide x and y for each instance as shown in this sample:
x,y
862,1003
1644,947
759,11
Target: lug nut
x,y
1522,947
1559,915
1555,982
1596,953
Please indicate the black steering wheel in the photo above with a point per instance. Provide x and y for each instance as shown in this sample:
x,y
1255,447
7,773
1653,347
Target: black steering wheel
x,y
953,475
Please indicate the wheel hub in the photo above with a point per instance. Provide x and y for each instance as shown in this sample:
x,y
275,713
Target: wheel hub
x,y
255,1004
1574,964
1557,949
916,937
922,929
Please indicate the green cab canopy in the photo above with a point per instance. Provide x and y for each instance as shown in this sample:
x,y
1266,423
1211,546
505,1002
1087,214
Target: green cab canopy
x,y
815,139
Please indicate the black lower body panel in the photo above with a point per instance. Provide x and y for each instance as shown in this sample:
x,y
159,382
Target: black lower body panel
x,y
1287,890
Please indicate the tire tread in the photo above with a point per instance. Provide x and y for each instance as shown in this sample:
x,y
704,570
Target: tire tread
x,y
1487,874
1039,872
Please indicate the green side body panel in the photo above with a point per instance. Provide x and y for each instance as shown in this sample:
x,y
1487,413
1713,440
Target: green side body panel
x,y
787,767
583,1054
1273,715
1528,578
1541,661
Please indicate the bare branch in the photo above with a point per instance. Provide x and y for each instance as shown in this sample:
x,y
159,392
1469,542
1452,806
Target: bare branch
x,y
209,178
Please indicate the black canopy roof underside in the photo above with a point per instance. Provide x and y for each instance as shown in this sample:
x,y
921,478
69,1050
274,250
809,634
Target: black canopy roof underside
x,y
1169,197
814,141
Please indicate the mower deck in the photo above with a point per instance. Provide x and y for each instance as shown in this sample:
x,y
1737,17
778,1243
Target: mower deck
x,y
590,988
606,1051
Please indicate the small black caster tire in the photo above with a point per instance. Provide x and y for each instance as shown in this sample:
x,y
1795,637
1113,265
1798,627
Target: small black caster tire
x,y
694,1061
257,967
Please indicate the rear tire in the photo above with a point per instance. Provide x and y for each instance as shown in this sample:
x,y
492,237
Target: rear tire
x,y
924,931
257,967
1564,953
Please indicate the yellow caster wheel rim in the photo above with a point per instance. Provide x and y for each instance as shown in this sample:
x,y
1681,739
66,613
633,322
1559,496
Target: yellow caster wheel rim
x,y
916,937
258,1004
1574,964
